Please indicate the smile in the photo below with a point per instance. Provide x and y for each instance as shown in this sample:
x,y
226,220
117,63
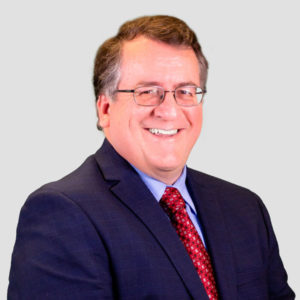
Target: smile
x,y
157,131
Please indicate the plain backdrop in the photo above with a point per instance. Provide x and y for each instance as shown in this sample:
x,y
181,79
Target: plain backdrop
x,y
251,126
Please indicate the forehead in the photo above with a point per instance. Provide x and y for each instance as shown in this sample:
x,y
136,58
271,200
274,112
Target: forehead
x,y
145,60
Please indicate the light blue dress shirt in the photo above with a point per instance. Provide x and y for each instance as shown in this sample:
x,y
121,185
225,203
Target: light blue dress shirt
x,y
157,188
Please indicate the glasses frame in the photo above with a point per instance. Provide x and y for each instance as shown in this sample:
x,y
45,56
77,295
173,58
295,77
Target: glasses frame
x,y
203,92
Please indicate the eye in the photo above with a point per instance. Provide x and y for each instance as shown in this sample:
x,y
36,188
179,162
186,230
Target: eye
x,y
185,92
148,95
147,92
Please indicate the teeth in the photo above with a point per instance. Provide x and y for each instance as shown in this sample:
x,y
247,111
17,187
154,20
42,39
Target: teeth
x,y
162,131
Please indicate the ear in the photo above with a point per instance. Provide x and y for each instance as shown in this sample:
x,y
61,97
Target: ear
x,y
103,109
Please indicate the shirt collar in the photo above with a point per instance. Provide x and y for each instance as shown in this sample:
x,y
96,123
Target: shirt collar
x,y
157,187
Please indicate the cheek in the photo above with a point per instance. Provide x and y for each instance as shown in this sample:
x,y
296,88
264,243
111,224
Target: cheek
x,y
119,115
199,120
195,118
137,116
196,126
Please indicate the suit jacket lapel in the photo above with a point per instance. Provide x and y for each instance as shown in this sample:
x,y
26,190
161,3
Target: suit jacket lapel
x,y
215,232
129,188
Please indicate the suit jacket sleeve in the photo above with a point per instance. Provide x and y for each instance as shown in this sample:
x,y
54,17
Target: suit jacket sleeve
x,y
277,276
55,253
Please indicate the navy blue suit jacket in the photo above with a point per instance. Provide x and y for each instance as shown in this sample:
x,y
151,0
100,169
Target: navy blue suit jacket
x,y
99,233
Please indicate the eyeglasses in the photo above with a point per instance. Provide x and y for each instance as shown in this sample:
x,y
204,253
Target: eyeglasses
x,y
154,95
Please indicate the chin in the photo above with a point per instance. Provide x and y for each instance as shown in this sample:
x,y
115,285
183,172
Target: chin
x,y
168,165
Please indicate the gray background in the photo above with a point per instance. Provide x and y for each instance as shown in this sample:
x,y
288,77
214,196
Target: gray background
x,y
251,126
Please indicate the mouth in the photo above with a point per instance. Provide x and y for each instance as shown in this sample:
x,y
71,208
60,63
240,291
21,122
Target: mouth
x,y
163,132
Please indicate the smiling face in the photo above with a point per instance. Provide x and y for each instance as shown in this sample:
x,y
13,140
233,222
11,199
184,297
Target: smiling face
x,y
156,140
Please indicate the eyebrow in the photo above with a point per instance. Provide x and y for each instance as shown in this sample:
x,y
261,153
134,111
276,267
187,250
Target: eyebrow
x,y
156,83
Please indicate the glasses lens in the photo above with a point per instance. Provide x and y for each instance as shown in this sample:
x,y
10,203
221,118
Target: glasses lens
x,y
188,95
148,95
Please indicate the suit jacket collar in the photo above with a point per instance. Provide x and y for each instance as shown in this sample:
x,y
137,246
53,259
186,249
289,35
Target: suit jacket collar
x,y
206,199
127,186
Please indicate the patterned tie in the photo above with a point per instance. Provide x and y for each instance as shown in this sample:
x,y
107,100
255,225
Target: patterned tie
x,y
173,204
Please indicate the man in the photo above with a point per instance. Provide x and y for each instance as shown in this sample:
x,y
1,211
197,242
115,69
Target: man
x,y
133,222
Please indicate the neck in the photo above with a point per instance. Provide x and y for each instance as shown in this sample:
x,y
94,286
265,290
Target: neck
x,y
167,177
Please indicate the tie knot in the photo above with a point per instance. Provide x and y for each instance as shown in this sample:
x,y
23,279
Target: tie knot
x,y
172,201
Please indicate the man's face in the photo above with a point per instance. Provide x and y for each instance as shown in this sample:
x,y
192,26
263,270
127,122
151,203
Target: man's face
x,y
126,125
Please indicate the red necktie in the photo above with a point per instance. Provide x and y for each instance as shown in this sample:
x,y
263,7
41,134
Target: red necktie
x,y
173,204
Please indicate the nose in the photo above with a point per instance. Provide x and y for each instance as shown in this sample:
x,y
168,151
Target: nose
x,y
168,109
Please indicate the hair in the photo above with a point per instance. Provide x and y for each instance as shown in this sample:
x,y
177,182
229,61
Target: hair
x,y
163,28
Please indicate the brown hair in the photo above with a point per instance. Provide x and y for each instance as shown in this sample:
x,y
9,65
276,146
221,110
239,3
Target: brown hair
x,y
167,29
